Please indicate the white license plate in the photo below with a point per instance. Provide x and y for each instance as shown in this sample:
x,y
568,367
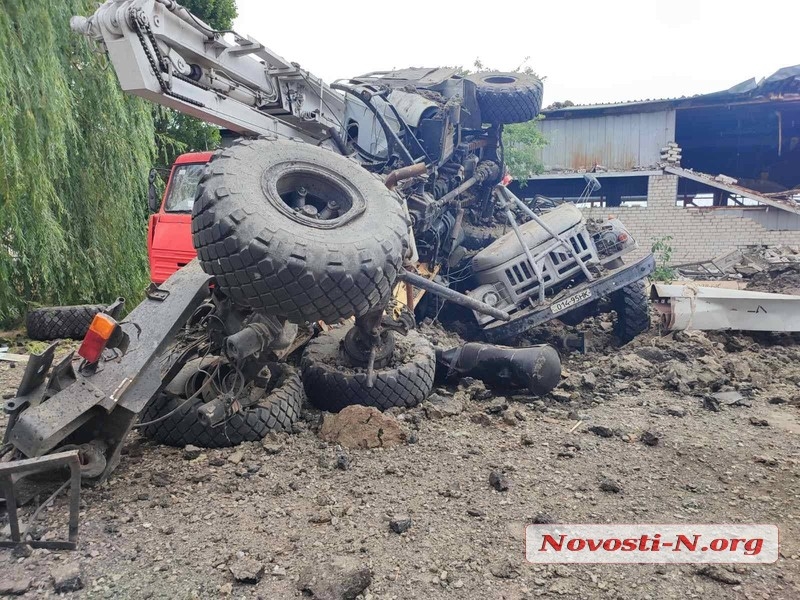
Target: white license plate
x,y
566,303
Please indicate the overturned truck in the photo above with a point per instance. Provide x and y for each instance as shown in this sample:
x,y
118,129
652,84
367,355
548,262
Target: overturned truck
x,y
342,203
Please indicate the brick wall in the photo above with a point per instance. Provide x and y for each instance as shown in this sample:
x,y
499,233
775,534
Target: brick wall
x,y
697,234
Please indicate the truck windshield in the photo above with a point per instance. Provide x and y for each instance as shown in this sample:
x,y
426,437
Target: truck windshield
x,y
182,188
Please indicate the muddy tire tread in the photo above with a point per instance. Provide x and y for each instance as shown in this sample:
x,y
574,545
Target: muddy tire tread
x,y
331,389
61,322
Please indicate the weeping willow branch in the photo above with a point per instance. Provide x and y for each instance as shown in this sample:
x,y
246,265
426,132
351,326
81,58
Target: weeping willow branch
x,y
74,157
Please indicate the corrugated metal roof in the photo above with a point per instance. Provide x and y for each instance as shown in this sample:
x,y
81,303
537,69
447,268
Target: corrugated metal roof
x,y
784,84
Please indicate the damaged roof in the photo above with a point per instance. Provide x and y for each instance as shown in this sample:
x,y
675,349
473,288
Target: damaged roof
x,y
783,85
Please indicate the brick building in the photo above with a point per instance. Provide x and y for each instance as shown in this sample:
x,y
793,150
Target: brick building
x,y
652,158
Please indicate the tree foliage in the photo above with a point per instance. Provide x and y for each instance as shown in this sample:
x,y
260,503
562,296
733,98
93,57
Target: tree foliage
x,y
219,14
74,157
522,143
177,133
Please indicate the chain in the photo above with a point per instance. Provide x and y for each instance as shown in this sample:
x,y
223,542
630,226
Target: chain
x,y
159,64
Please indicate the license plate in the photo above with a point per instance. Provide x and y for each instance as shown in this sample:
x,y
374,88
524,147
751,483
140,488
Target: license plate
x,y
566,303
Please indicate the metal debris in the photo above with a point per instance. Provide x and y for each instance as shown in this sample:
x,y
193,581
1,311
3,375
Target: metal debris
x,y
690,307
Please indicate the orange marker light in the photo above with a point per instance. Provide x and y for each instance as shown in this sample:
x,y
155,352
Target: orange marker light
x,y
100,331
622,237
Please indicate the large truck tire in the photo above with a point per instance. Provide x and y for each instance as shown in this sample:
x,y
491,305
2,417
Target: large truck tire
x,y
332,386
506,98
277,411
633,311
270,257
61,322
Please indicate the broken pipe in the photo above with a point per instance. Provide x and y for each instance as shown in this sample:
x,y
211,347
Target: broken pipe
x,y
537,368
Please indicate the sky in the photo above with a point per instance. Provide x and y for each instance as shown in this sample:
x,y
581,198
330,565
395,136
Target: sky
x,y
588,51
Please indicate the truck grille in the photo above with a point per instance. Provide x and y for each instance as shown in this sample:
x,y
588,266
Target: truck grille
x,y
520,279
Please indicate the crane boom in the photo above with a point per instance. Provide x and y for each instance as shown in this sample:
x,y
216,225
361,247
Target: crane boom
x,y
163,53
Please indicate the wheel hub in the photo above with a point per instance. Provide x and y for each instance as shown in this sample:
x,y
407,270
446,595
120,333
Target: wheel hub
x,y
357,349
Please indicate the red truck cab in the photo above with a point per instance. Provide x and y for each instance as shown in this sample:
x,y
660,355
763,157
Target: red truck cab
x,y
169,230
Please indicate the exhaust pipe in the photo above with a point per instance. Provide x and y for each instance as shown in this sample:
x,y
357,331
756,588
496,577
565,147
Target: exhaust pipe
x,y
537,368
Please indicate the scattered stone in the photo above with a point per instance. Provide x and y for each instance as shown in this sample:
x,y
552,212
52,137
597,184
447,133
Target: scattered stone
x,y
481,419
343,461
543,518
160,479
15,587
498,481
321,518
589,380
440,407
610,486
341,579
635,367
216,461
67,578
652,354
226,589
759,422
766,460
505,569
362,427
719,574
191,452
730,398
236,457
246,570
649,438
22,551
676,411
278,571
475,389
526,439
271,448
400,524
561,587
602,431
561,396
509,418
497,406
475,512
711,403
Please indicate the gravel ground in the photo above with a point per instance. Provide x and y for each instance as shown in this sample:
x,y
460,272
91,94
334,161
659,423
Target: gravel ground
x,y
175,524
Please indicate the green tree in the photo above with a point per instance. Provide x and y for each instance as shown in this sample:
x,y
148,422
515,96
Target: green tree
x,y
177,133
219,14
522,143
74,157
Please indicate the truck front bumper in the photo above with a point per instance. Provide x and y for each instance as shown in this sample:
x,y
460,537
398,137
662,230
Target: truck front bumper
x,y
569,299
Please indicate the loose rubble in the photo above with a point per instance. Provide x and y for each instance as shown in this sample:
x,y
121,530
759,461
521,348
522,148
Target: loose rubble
x,y
67,578
319,514
341,579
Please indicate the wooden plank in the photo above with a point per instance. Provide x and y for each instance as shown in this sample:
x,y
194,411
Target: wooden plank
x,y
16,358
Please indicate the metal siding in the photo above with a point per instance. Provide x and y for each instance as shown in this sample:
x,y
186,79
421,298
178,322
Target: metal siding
x,y
775,220
613,141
